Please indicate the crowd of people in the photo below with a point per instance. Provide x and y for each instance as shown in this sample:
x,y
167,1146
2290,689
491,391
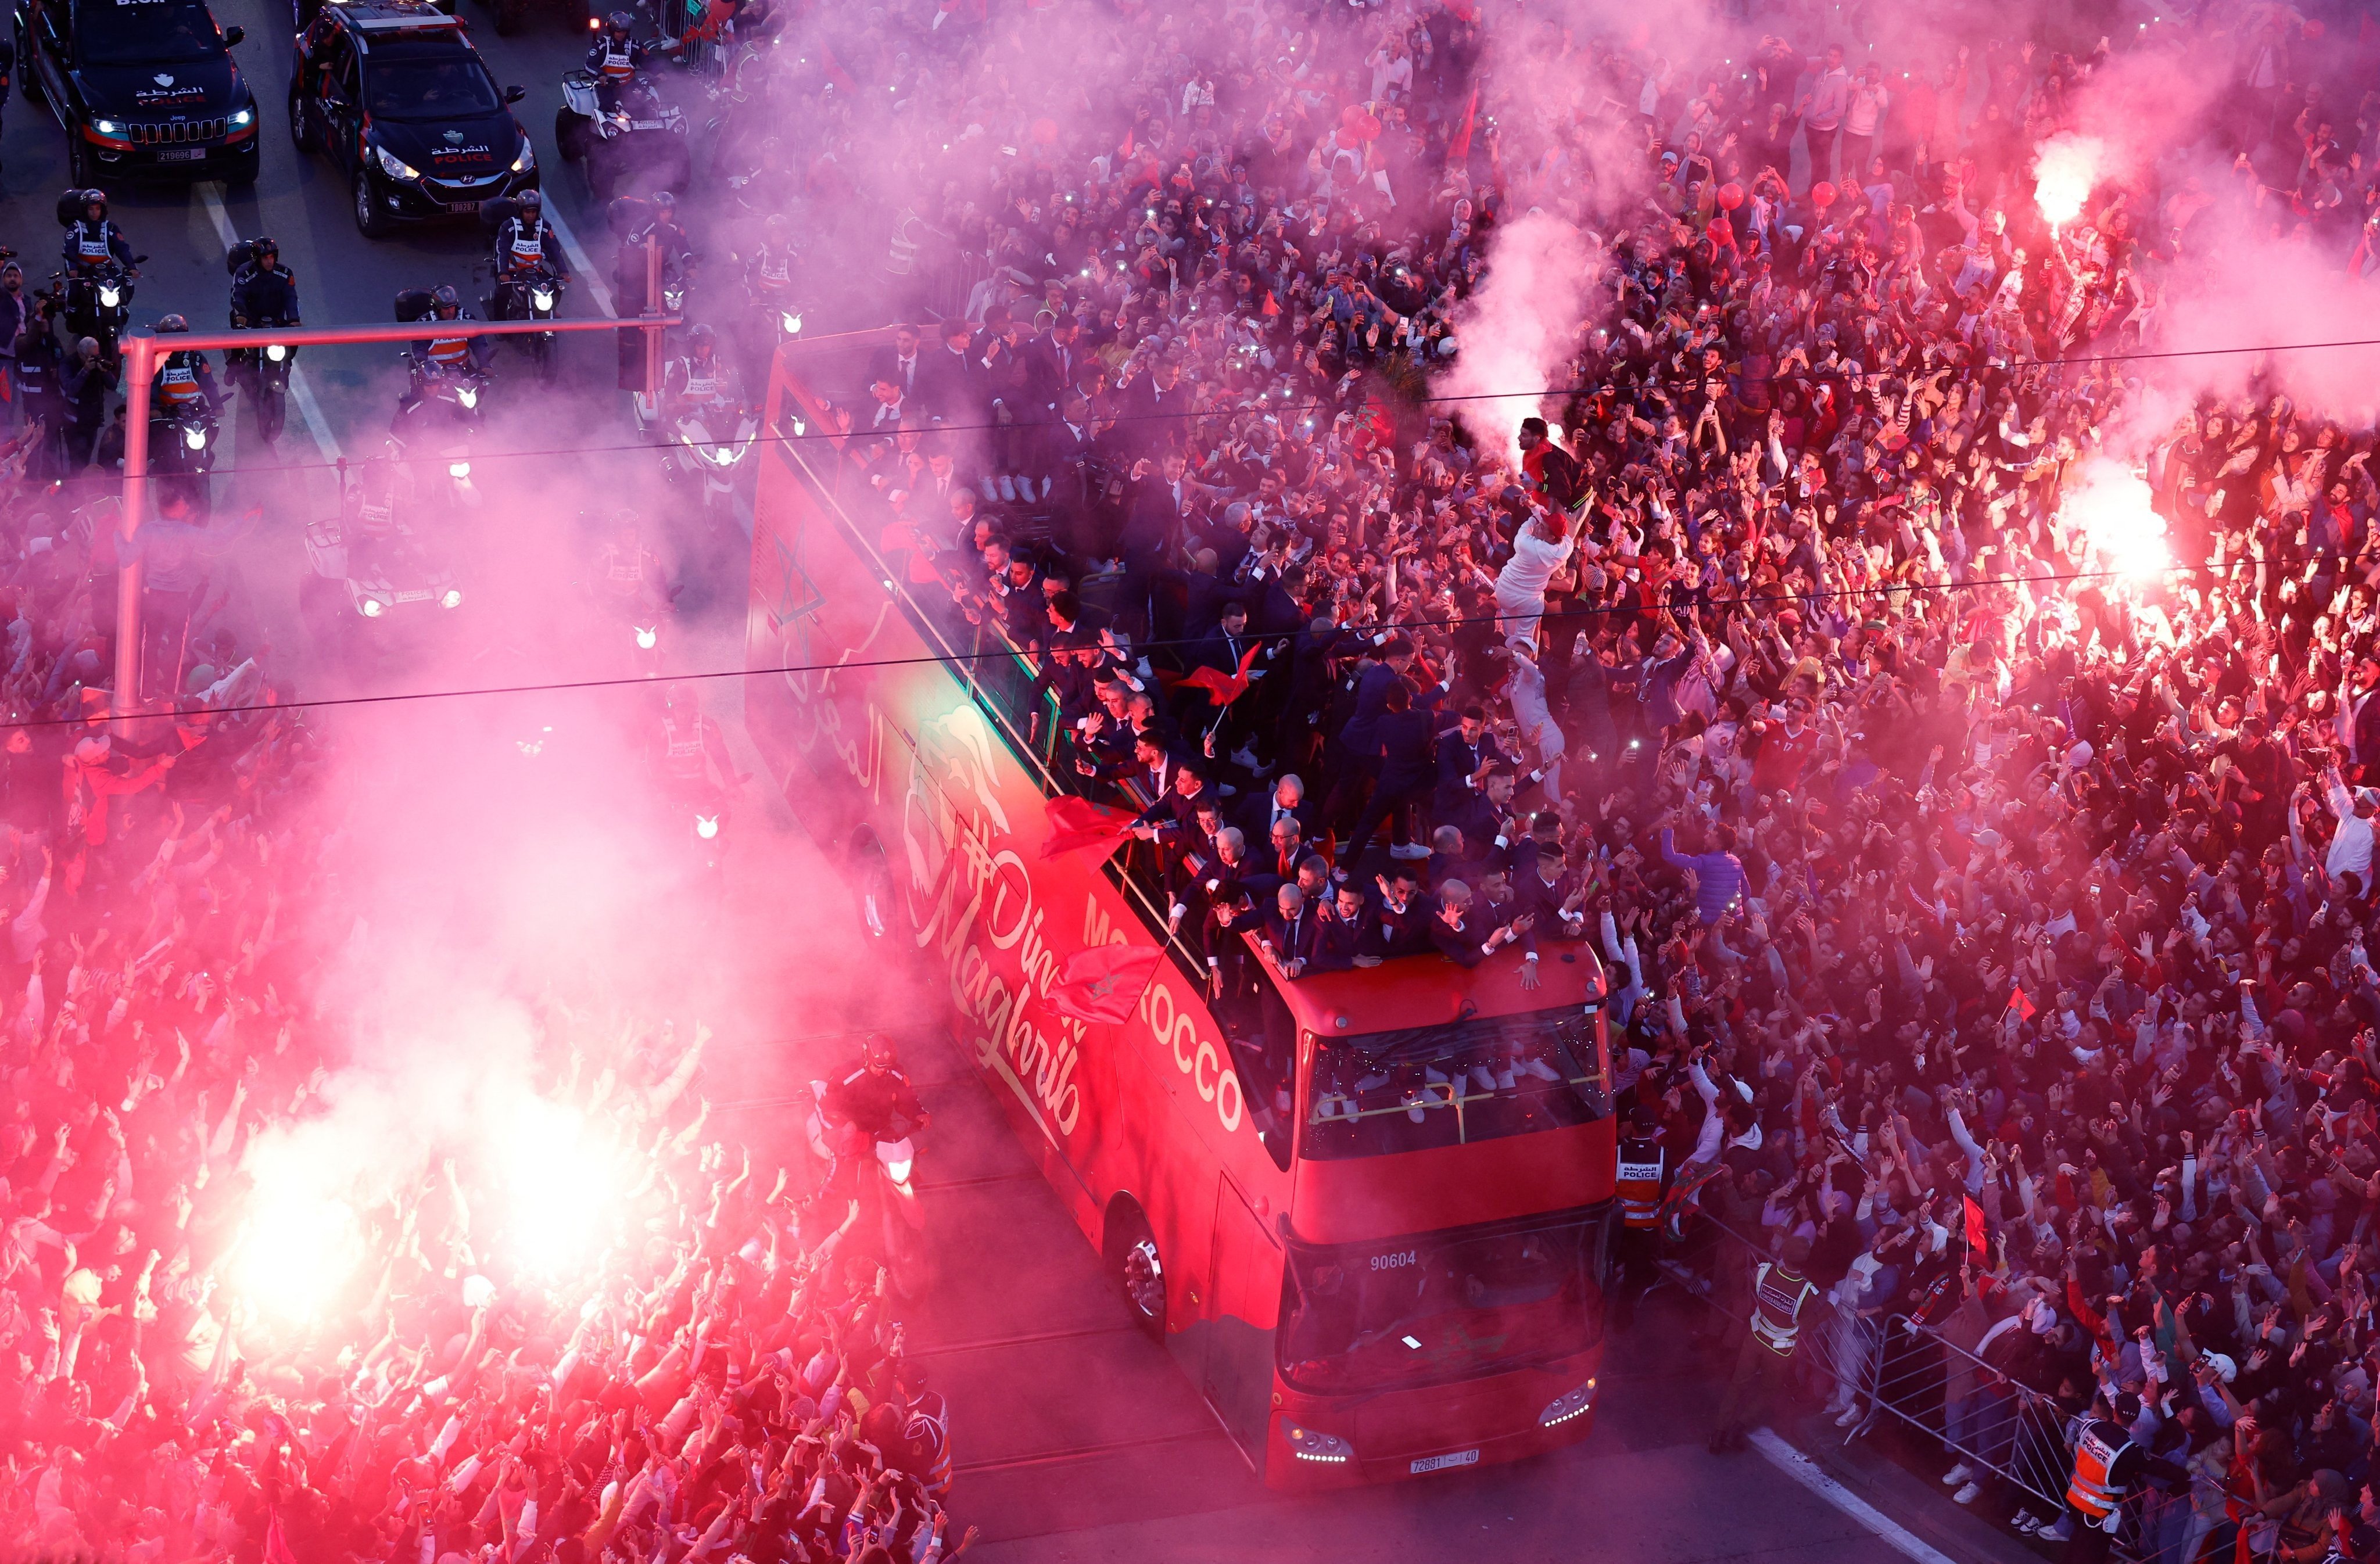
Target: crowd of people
x,y
2011,894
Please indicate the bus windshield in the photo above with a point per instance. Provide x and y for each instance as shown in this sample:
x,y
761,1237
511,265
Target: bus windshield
x,y
1454,1082
1431,1307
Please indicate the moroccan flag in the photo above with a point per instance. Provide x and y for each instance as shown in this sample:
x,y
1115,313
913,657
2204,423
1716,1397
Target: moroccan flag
x,y
1223,688
1975,1228
1271,305
1077,823
1105,982
1458,148
276,1545
2022,1006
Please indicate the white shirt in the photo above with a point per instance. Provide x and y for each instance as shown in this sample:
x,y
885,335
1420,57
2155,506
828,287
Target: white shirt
x,y
2351,848
1533,563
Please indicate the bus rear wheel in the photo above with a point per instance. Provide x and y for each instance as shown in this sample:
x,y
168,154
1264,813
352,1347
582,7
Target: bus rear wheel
x,y
1139,1270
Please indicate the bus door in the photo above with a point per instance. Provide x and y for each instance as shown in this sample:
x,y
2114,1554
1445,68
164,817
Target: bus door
x,y
1245,1289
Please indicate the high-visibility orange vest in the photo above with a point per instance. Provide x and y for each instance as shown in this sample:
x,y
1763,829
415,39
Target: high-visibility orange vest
x,y
2092,1489
1777,1300
1638,1184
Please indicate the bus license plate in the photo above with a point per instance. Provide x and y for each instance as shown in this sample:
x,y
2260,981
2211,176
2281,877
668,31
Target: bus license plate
x,y
464,209
181,154
1440,1462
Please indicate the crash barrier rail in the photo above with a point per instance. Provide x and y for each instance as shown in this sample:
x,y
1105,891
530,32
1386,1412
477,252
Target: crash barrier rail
x,y
1897,1368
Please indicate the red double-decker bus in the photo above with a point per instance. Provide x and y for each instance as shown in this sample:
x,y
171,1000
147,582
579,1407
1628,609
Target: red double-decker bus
x,y
1374,1241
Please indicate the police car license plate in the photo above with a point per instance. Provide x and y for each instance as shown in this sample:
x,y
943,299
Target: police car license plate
x,y
1440,1462
181,154
423,597
464,209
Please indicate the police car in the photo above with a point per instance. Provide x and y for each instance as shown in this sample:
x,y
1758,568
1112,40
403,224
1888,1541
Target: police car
x,y
394,92
143,87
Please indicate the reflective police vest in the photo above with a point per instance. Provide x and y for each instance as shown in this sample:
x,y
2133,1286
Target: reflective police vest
x,y
775,270
449,352
2093,1490
624,568
682,749
525,244
177,382
1777,1300
618,61
1639,1183
704,382
91,246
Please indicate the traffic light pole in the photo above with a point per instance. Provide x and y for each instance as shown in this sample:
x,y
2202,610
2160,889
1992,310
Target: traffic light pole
x,y
141,356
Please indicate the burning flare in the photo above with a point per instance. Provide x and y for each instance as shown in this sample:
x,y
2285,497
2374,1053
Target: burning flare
x,y
2064,173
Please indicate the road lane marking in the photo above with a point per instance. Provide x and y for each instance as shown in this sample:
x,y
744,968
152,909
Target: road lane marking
x,y
299,392
1804,1470
579,264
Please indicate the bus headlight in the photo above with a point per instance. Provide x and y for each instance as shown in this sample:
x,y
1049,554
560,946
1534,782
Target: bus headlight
x,y
1561,1409
275,352
1312,1444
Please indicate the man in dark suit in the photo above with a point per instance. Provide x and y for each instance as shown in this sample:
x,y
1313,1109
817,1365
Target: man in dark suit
x,y
1403,750
1552,891
898,363
1399,921
1340,941
2360,714
1487,822
1149,406
1461,930
1292,932
1259,812
950,382
1050,362
1465,754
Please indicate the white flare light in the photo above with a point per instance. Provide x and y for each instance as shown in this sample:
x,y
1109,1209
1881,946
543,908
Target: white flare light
x,y
2064,173
2112,505
298,1249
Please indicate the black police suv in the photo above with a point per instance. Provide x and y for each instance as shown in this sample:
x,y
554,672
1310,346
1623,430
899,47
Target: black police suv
x,y
394,91
144,88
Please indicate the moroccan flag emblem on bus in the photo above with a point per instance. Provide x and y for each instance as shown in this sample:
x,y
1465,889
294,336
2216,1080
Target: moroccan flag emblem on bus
x,y
1105,982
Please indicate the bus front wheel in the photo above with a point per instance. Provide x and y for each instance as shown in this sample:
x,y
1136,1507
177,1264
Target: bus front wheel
x,y
1140,1269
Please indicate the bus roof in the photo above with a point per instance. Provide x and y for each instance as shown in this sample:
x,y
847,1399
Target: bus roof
x,y
1416,990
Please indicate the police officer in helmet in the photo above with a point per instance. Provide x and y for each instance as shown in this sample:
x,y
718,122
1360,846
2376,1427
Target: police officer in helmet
x,y
691,749
93,239
183,379
455,354
263,291
698,383
616,57
870,1099
526,244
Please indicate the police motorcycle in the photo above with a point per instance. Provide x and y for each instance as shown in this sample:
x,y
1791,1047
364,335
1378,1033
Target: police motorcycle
x,y
529,284
633,600
614,121
261,374
182,417
774,316
883,1153
442,410
703,432
369,566
96,280
698,783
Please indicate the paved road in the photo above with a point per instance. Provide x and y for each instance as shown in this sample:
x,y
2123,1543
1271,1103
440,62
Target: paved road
x,y
532,544
1079,1440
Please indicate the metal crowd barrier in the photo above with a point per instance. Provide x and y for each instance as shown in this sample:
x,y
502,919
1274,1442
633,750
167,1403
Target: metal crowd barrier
x,y
1893,1370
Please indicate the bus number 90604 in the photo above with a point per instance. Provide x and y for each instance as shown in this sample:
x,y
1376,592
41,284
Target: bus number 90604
x,y
1392,1261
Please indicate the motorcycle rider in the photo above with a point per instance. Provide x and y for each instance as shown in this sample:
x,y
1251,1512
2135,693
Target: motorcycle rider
x,y
690,750
699,385
184,380
92,239
872,1100
526,245
458,354
770,273
263,293
616,57
629,573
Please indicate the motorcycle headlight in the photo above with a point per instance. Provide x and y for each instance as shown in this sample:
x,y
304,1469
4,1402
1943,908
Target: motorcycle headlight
x,y
1312,1444
110,296
275,352
453,598
726,455
394,167
459,469
674,298
706,826
794,324
898,1171
1561,1409
373,608
242,119
541,299
468,396
528,159
196,438
648,639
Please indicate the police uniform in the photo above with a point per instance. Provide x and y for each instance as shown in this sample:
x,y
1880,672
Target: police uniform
x,y
264,296
88,244
1779,1291
183,381
701,385
522,245
1637,1187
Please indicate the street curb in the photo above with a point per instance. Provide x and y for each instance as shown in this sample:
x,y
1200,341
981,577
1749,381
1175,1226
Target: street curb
x,y
1903,1494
